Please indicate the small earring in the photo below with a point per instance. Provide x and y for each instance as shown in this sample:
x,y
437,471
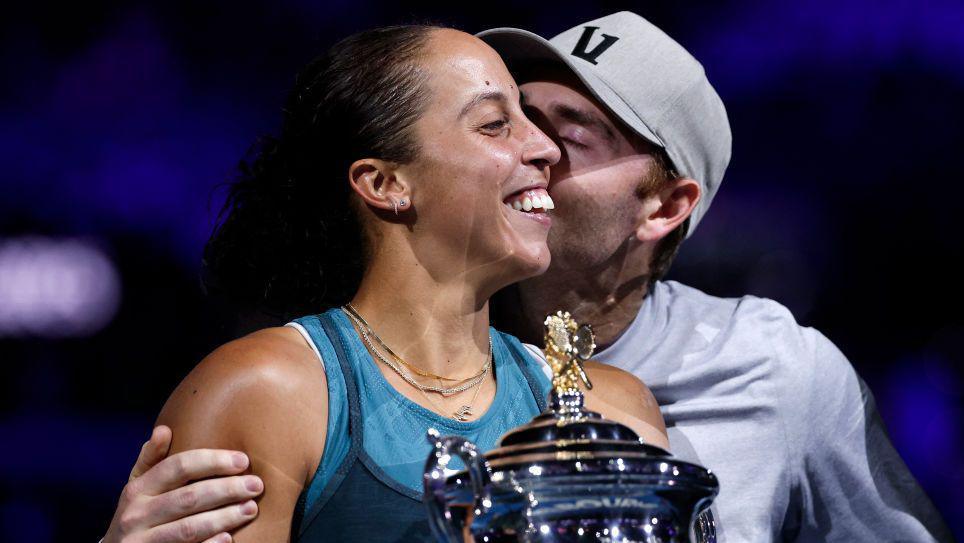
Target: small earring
x,y
402,202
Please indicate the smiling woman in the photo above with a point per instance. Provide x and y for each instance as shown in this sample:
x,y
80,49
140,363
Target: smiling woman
x,y
408,186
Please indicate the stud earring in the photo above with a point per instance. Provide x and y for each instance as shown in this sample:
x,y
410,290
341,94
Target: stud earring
x,y
402,202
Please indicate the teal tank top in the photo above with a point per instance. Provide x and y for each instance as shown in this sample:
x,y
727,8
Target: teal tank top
x,y
391,428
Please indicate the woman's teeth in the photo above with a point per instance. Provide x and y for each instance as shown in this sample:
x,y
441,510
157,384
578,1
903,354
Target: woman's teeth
x,y
531,199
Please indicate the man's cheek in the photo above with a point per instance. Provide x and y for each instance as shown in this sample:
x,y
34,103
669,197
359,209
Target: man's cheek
x,y
590,163
578,161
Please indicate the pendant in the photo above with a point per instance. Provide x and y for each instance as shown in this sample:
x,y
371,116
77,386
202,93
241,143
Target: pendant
x,y
463,414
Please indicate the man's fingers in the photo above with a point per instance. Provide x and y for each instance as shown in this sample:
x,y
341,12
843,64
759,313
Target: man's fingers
x,y
153,451
202,526
201,496
183,467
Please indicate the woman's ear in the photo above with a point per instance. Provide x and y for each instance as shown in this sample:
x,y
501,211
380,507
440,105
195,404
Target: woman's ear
x,y
666,209
378,185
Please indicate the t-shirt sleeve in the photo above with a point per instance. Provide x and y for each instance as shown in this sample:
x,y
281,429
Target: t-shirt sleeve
x,y
853,485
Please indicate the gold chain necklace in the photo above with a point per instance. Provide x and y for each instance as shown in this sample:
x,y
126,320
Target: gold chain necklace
x,y
465,410
361,322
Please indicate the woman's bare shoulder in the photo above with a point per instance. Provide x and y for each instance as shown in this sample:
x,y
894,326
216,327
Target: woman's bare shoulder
x,y
622,396
264,394
268,376
274,357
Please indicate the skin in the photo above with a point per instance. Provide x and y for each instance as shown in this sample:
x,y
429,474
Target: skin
x,y
425,291
604,232
160,503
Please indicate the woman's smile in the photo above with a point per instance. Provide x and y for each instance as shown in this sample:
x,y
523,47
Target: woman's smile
x,y
533,204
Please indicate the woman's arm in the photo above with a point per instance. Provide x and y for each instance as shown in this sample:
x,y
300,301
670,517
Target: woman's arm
x,y
621,396
264,394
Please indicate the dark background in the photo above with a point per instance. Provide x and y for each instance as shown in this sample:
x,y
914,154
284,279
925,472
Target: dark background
x,y
119,119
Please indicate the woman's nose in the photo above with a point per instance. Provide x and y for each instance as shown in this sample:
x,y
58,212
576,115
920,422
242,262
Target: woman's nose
x,y
541,151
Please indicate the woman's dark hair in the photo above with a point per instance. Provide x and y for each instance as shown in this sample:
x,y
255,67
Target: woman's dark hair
x,y
288,241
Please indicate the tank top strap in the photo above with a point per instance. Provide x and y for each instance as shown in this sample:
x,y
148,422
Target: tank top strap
x,y
323,332
335,333
356,426
539,384
361,500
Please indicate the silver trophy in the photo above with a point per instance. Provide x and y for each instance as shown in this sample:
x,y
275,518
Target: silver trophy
x,y
569,475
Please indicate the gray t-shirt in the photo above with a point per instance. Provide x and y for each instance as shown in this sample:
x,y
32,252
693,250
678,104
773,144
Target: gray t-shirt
x,y
778,413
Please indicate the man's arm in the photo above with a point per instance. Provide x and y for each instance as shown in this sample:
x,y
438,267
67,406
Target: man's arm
x,y
854,486
160,504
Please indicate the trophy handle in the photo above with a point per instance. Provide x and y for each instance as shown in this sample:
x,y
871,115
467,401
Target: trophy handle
x,y
439,513
704,527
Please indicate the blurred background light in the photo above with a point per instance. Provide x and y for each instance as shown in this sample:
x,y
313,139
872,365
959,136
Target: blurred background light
x,y
55,287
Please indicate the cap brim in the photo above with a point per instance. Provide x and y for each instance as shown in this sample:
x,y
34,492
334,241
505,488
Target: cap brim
x,y
519,48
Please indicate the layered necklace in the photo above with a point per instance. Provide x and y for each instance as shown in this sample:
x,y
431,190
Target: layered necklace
x,y
397,364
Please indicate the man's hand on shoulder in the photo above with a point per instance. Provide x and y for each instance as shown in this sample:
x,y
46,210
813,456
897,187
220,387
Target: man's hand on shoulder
x,y
193,496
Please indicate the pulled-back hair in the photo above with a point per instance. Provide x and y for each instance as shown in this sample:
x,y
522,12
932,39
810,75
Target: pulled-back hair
x,y
288,240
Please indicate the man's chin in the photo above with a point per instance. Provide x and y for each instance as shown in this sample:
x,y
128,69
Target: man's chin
x,y
573,257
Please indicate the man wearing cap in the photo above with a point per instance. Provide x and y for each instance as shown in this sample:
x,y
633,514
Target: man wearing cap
x,y
773,408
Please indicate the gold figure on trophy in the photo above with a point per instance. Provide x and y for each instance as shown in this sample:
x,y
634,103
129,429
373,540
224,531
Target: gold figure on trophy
x,y
568,345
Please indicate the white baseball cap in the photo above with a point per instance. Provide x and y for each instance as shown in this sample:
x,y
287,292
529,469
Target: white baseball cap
x,y
647,80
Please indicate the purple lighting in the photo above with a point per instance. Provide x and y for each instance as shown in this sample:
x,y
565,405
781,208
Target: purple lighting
x,y
55,288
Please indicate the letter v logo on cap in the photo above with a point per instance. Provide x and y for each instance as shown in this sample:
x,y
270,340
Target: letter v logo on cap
x,y
580,50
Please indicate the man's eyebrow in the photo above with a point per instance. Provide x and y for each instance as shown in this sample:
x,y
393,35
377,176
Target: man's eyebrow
x,y
586,119
483,97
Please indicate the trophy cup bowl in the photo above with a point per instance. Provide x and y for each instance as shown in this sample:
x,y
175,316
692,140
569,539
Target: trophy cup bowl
x,y
569,475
